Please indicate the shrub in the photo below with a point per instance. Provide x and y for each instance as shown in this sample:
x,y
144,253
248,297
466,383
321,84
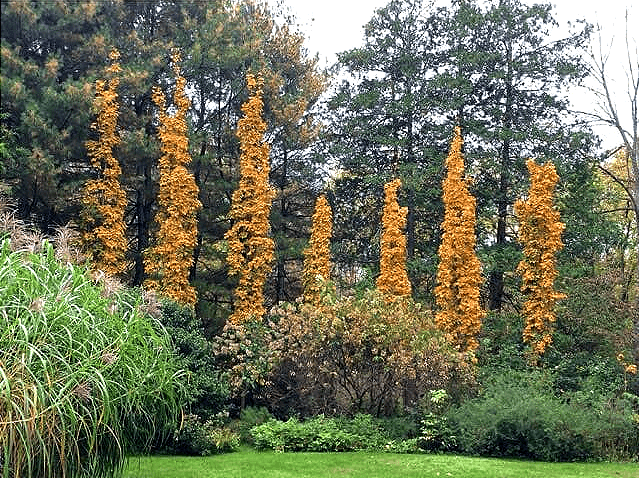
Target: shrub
x,y
207,391
519,417
204,438
249,418
86,376
322,434
358,354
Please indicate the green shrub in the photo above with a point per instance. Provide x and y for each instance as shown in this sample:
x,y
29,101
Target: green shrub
x,y
207,390
204,438
523,419
249,418
322,434
85,375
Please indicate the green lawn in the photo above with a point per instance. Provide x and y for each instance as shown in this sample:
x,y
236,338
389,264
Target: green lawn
x,y
254,464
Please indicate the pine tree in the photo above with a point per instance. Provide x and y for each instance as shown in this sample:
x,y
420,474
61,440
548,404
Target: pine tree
x,y
459,270
104,199
393,279
540,231
317,257
168,262
250,249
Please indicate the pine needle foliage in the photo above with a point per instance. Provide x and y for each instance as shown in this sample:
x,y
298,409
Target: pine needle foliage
x,y
168,262
540,230
459,270
104,199
317,256
250,249
393,279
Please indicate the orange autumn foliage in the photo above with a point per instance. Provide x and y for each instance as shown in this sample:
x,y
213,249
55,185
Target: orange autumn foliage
x,y
459,270
393,280
250,249
104,199
540,231
317,257
168,262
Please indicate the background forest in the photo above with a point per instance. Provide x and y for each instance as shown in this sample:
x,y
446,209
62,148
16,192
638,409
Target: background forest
x,y
386,110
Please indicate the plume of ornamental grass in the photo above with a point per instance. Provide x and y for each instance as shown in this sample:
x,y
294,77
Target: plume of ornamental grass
x,y
85,377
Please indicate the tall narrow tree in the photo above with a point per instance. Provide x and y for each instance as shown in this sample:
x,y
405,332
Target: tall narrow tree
x,y
103,198
317,256
393,279
540,231
250,249
168,262
459,270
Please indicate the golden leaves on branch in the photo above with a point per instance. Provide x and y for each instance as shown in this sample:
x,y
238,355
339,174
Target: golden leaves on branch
x,y
540,230
250,249
317,256
104,199
459,270
168,262
393,279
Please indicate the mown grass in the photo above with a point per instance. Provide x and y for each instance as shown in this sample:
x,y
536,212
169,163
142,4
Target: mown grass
x,y
249,463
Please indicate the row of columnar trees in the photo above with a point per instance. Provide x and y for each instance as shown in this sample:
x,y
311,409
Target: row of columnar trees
x,y
250,248
459,273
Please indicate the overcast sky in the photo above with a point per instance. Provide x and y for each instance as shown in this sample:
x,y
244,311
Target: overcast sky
x,y
332,26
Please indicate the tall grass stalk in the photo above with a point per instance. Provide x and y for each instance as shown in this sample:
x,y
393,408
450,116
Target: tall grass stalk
x,y
85,374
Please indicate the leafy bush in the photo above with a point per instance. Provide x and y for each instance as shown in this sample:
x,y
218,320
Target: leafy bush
x,y
249,418
523,419
358,354
204,438
322,434
207,390
244,354
85,375
436,434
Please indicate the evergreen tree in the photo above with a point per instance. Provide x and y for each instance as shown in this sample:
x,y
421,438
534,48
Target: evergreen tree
x,y
169,260
393,279
503,79
459,270
250,249
540,231
380,128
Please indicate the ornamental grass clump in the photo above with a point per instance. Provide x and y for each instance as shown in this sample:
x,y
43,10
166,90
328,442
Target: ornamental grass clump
x,y
85,376
540,231
169,261
250,254
459,271
393,278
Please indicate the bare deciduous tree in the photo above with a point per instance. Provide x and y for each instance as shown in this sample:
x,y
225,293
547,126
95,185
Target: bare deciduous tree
x,y
622,115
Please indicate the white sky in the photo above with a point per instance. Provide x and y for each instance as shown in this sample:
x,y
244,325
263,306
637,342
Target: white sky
x,y
332,26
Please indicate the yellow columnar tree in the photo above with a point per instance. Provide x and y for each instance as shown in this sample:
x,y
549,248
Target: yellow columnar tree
x,y
459,270
103,198
540,231
250,249
317,256
168,262
393,279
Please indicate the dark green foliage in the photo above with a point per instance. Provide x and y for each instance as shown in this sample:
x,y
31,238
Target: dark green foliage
x,y
519,416
207,391
249,418
204,438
